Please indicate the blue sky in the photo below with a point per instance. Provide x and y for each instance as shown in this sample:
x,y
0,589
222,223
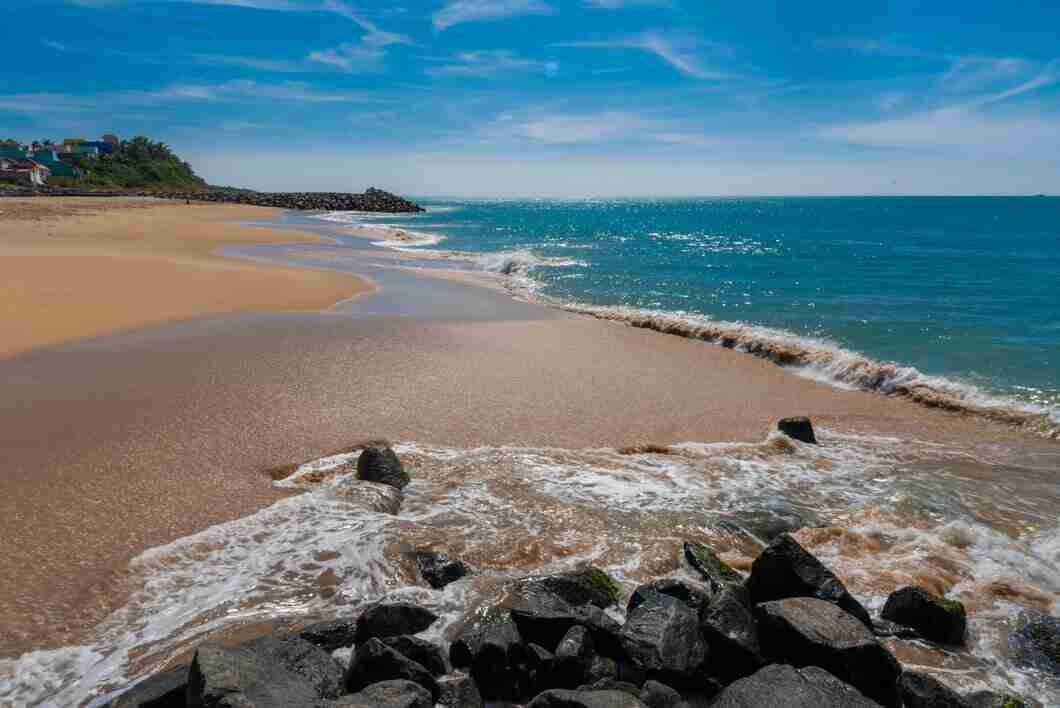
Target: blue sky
x,y
555,97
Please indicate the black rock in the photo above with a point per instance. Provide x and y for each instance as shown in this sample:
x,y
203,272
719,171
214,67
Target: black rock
x,y
782,685
573,658
438,569
805,631
730,630
374,662
544,619
989,699
922,691
659,695
786,569
933,617
381,464
504,668
167,689
389,694
602,668
588,586
610,684
429,655
800,428
695,598
330,635
392,619
1036,642
886,628
559,698
713,569
266,673
661,637
459,691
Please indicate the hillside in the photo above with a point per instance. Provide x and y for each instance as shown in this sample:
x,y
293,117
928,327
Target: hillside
x,y
138,164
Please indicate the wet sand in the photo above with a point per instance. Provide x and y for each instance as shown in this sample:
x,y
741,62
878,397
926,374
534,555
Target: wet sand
x,y
77,267
120,443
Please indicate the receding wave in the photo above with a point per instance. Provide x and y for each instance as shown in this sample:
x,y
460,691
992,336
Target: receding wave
x,y
824,361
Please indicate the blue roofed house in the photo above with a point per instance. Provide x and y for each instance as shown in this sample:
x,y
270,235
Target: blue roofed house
x,y
50,159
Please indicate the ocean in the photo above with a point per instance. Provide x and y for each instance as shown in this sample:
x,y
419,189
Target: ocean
x,y
951,302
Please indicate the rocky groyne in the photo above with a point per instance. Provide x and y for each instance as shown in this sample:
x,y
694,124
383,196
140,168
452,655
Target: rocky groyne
x,y
786,633
373,200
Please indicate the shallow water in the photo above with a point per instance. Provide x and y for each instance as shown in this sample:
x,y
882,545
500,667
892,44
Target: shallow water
x,y
880,511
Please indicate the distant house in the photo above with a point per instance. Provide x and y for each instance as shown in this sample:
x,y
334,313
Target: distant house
x,y
12,150
103,147
111,140
50,159
23,171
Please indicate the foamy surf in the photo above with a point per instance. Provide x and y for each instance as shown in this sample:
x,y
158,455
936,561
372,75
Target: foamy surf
x,y
511,511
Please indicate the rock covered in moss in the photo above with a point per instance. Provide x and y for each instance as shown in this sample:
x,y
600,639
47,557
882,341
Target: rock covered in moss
x,y
933,617
990,699
713,569
785,569
1036,641
586,586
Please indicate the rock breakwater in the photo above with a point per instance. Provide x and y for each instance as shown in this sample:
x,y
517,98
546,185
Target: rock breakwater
x,y
372,200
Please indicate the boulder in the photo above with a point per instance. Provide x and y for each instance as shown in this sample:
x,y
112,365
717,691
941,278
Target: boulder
x,y
559,698
610,684
587,586
730,630
331,635
695,598
786,569
713,569
799,427
1036,642
167,689
459,691
784,685
374,662
265,673
886,628
390,619
504,668
989,699
934,618
805,631
389,694
661,637
573,658
381,464
659,695
922,691
428,655
545,619
438,569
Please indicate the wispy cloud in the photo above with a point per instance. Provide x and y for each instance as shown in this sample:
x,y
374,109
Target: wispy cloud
x,y
57,46
558,128
458,12
974,73
247,90
261,64
492,64
677,50
363,55
619,4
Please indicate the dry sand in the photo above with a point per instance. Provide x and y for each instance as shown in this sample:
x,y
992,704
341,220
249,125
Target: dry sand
x,y
76,267
117,444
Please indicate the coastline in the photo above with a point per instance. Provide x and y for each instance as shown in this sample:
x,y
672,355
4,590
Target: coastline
x,y
164,431
83,267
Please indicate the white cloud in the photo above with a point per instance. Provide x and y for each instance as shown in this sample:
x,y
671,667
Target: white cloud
x,y
244,90
57,46
551,128
973,73
261,64
363,55
619,4
457,12
492,64
679,51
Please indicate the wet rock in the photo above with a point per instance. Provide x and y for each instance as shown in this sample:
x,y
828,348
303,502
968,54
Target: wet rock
x,y
933,617
886,628
459,691
731,631
391,619
588,586
501,664
989,699
786,569
438,569
381,464
1036,641
167,689
544,619
713,569
389,694
429,655
695,598
330,635
809,632
610,684
783,685
265,673
374,662
661,637
559,698
659,695
922,691
602,668
800,428
371,200
573,658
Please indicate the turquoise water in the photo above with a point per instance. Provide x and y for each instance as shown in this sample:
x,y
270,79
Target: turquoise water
x,y
963,288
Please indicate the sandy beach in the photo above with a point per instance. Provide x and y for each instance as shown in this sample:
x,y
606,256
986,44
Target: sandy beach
x,y
80,267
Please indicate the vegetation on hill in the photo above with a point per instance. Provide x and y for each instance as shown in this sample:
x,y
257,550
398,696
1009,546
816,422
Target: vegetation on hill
x,y
138,164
